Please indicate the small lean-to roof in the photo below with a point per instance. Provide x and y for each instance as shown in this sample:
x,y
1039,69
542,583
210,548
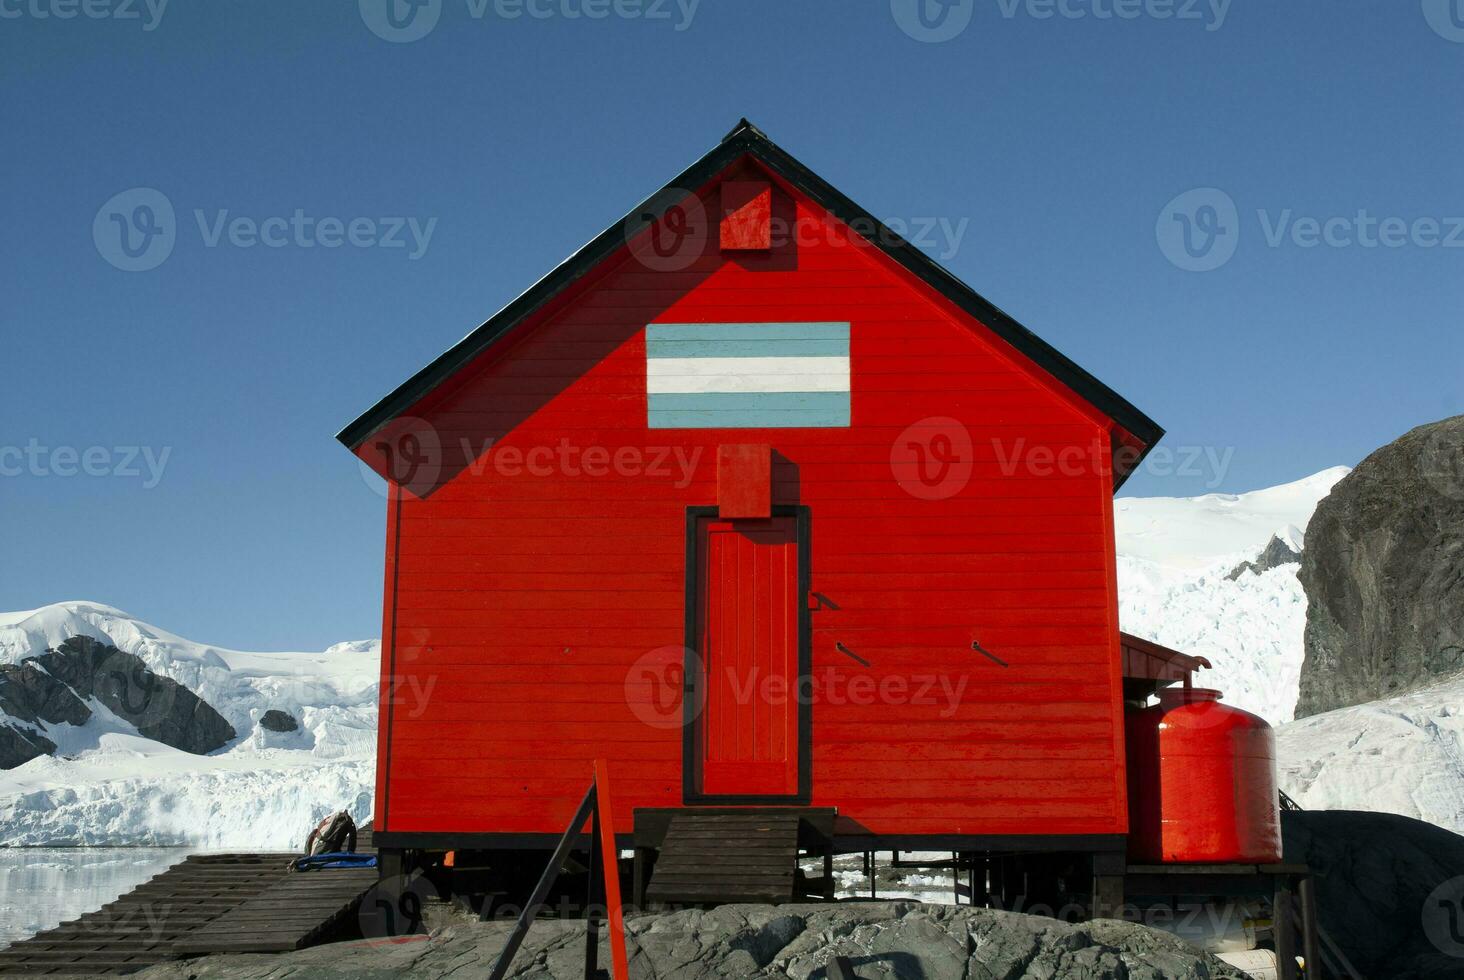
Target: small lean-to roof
x,y
747,140
1146,660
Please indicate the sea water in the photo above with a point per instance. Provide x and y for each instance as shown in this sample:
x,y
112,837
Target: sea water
x,y
41,887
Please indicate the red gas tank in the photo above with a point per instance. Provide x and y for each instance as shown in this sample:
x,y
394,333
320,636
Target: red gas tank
x,y
1202,782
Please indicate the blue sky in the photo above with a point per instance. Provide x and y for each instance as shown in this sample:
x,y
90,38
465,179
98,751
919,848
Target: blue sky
x,y
1055,136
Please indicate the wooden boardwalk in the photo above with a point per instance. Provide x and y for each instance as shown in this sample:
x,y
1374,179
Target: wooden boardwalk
x,y
207,903
294,913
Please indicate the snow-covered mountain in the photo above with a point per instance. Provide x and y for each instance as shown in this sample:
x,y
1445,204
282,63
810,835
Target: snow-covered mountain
x,y
108,784
1174,556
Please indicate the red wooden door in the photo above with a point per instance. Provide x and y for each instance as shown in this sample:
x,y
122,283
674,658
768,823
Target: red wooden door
x,y
748,640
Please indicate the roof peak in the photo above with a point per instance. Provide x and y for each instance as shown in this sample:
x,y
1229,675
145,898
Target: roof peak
x,y
744,126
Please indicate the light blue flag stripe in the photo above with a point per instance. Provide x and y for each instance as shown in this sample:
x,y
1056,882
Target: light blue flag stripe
x,y
750,410
773,347
747,331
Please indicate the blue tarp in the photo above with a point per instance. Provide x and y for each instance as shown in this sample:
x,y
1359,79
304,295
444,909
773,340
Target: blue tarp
x,y
320,862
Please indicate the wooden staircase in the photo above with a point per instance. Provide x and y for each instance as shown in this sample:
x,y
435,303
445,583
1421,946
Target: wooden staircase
x,y
207,903
724,855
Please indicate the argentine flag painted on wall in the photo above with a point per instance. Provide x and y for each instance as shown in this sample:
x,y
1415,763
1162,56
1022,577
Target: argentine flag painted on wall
x,y
747,375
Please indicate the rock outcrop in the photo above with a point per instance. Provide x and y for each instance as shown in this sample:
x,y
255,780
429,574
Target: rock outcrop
x,y
160,707
1384,574
20,744
29,699
1390,892
1274,555
275,720
883,940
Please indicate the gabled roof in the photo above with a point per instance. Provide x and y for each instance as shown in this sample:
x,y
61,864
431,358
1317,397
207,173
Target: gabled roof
x,y
747,139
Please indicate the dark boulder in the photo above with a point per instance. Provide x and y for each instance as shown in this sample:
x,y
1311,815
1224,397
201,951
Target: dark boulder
x,y
29,697
159,707
1384,574
31,694
1274,555
1390,892
20,744
275,720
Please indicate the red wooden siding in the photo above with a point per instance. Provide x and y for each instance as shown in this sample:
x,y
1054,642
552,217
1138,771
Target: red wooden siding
x,y
524,596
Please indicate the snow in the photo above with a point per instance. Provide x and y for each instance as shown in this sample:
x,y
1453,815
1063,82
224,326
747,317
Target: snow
x,y
1400,755
264,790
1174,554
1192,533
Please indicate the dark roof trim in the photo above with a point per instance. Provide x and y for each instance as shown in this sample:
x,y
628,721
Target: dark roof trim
x,y
1160,654
746,138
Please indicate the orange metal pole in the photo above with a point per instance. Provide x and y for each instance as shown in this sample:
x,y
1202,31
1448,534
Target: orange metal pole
x,y
610,853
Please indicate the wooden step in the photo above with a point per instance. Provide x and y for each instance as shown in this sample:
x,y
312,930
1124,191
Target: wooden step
x,y
717,857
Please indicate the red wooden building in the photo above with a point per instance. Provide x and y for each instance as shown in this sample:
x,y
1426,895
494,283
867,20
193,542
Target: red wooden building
x,y
754,499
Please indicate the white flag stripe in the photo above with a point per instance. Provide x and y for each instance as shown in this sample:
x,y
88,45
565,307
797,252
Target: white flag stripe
x,y
711,374
733,383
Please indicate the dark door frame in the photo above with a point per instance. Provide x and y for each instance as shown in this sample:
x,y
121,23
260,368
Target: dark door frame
x,y
693,693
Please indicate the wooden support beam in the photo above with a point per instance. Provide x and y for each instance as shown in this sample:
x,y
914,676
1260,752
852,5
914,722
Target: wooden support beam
x,y
1311,950
1283,926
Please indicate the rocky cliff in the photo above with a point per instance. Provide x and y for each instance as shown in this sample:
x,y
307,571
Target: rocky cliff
x,y
1383,571
55,688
